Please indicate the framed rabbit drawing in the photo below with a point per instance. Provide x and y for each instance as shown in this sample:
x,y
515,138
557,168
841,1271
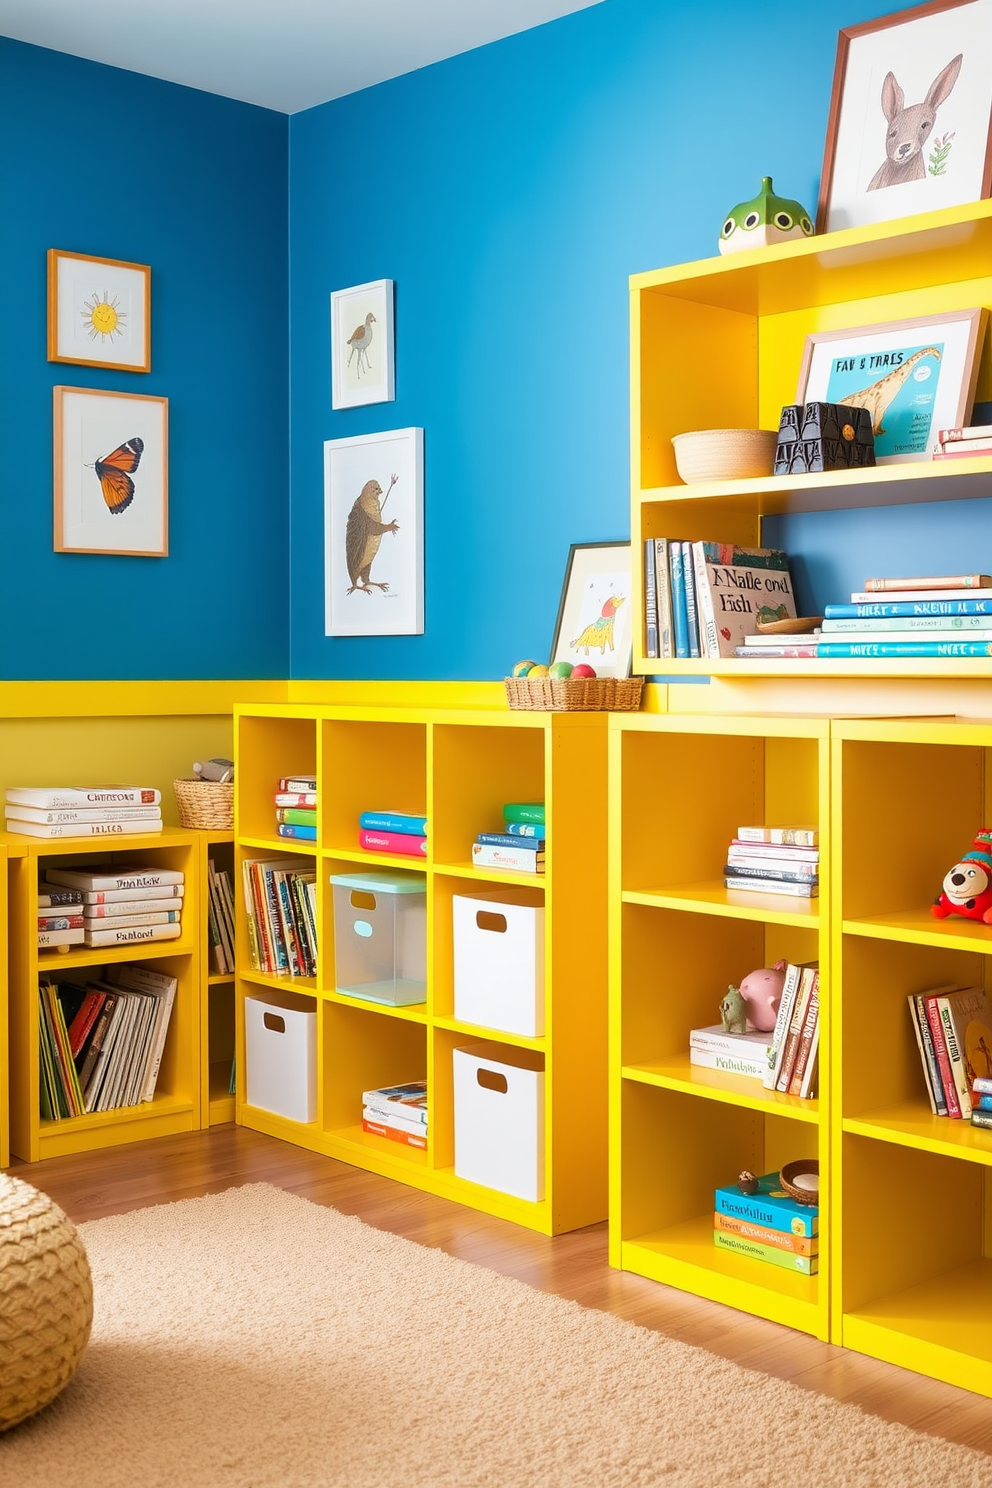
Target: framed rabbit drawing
x,y
910,127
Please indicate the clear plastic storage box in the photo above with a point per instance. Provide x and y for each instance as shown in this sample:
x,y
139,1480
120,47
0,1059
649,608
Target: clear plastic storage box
x,y
380,936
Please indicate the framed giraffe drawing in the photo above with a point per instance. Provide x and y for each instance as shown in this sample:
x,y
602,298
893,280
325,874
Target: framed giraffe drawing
x,y
362,359
914,376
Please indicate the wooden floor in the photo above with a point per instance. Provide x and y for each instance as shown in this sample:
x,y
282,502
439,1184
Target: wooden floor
x,y
575,1266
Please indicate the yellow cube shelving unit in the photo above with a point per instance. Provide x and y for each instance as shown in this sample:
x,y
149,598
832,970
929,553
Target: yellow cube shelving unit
x,y
912,1191
217,1037
718,344
176,1106
458,766
680,786
4,1042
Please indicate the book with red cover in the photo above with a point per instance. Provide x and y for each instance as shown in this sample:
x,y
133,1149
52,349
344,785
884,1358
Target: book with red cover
x,y
79,1028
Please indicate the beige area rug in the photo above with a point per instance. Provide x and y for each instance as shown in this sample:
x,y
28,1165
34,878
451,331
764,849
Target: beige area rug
x,y
252,1338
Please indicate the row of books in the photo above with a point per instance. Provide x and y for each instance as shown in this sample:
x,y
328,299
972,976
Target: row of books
x,y
281,915
782,860
102,1039
393,832
296,807
398,1112
918,616
80,811
967,443
703,598
768,1226
109,906
220,919
787,1058
520,846
953,1027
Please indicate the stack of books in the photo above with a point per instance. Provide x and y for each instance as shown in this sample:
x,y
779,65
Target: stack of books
x,y
76,811
102,1040
296,807
774,860
119,906
924,615
764,647
981,1101
281,916
220,919
794,1048
393,832
967,443
703,598
731,1053
398,1112
60,916
520,845
768,1226
953,1027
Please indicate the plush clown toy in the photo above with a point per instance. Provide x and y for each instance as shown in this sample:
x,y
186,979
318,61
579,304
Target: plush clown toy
x,y
967,887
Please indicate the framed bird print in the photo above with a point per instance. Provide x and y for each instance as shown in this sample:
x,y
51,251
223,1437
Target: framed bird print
x,y
362,363
593,626
99,312
111,472
374,534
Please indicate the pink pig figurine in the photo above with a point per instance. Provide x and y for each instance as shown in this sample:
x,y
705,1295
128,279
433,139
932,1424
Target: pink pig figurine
x,y
762,991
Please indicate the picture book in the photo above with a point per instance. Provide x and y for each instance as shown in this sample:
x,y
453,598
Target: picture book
x,y
62,797
966,1017
511,839
409,1099
530,812
805,1265
747,1054
764,1235
925,604
394,821
517,859
733,596
393,842
302,834
93,879
770,1206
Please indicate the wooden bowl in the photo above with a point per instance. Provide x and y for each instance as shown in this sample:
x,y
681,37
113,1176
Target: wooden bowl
x,y
724,454
801,1180
800,626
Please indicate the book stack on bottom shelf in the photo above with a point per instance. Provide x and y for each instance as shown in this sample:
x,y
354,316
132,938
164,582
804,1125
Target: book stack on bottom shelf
x,y
126,906
520,846
102,1039
953,1027
774,860
296,807
393,832
767,1225
398,1112
71,811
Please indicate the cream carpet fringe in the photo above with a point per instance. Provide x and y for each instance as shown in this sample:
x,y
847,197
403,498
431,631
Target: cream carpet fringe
x,y
252,1339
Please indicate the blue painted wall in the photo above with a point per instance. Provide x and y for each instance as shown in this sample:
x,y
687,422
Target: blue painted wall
x,y
510,192
107,162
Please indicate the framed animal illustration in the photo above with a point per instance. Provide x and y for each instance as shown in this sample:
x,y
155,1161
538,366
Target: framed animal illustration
x,y
362,360
910,125
374,534
111,472
593,624
914,377
99,311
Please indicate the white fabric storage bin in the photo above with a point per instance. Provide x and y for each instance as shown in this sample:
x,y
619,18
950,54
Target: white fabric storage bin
x,y
499,1118
281,1054
499,964
380,936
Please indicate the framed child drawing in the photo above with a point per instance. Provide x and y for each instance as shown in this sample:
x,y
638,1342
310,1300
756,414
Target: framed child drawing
x,y
111,472
593,624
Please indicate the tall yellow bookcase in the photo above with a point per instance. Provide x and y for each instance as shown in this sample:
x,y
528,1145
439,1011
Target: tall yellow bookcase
x,y
4,1041
176,1105
216,1002
458,766
680,786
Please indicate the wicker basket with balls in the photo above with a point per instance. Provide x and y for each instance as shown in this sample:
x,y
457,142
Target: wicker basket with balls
x,y
563,688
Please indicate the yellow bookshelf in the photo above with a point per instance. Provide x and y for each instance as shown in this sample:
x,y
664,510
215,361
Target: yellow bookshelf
x,y
176,1106
680,786
912,1211
4,1049
217,1037
718,344
457,765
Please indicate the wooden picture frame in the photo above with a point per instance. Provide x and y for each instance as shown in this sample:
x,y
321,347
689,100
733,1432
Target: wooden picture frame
x,y
99,312
111,472
885,155
915,377
596,573
363,362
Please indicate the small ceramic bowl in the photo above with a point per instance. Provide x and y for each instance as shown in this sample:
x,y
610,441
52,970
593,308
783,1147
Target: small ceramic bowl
x,y
724,454
802,1180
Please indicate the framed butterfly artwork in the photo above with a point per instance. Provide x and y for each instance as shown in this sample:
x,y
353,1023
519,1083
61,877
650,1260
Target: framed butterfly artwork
x,y
111,472
99,311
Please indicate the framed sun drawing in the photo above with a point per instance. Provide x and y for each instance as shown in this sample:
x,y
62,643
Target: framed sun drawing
x,y
111,473
99,312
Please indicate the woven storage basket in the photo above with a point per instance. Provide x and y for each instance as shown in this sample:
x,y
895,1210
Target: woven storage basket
x,y
205,803
575,694
724,454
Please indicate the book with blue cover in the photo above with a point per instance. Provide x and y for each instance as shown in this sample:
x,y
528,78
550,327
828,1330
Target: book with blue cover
x,y
903,648
691,614
506,839
909,608
304,834
770,1206
680,621
393,821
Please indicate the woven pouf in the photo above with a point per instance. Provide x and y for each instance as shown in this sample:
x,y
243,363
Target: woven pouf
x,y
46,1300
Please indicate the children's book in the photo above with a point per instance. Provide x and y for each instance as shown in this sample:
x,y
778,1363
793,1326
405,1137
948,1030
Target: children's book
x,y
103,879
925,604
531,812
835,649
680,623
735,587
805,1265
393,842
663,588
650,601
770,1206
394,821
298,784
81,829
62,797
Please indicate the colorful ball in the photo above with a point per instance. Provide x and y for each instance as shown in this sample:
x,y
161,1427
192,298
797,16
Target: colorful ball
x,y
522,668
560,669
538,671
583,671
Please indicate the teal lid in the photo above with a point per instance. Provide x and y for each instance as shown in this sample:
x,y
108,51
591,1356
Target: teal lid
x,y
383,881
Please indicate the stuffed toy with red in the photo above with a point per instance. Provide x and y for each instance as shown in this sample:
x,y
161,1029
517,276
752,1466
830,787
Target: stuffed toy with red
x,y
967,888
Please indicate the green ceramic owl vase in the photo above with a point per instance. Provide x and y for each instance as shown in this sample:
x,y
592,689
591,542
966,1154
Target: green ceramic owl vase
x,y
765,219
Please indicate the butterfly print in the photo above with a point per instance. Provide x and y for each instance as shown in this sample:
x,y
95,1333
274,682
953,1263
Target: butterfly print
x,y
114,473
